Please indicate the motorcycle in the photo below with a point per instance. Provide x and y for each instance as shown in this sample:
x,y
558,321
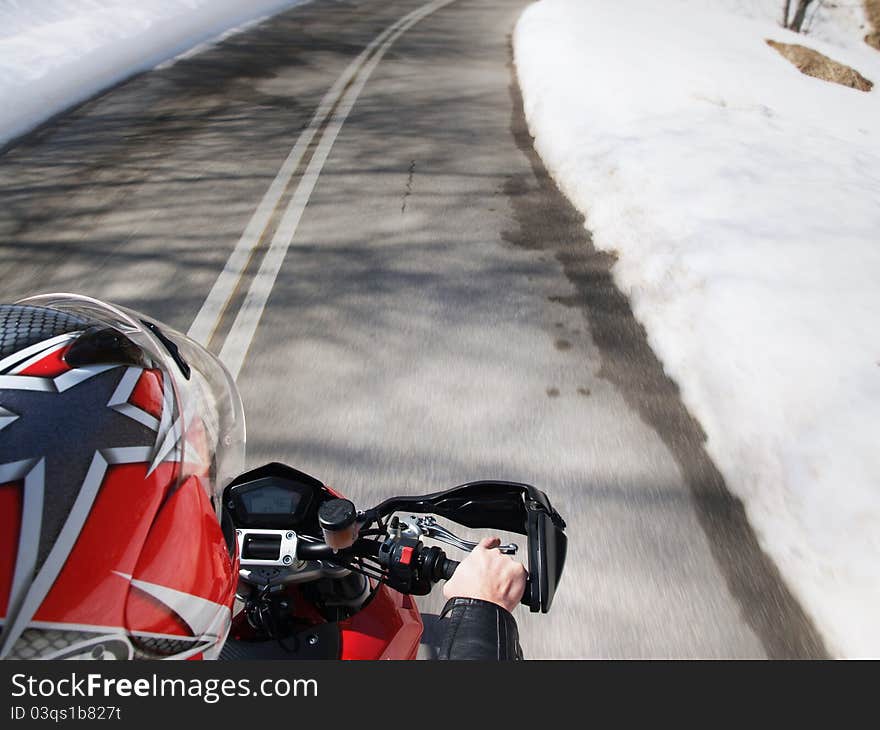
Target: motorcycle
x,y
319,579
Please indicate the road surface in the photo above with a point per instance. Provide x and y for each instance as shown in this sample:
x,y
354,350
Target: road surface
x,y
409,302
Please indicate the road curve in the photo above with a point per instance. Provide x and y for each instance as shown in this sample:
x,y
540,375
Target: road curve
x,y
420,309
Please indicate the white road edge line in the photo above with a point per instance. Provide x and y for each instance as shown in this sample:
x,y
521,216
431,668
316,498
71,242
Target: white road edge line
x,y
209,315
244,327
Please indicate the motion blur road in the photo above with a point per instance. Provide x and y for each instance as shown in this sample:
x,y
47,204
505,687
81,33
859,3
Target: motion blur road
x,y
439,315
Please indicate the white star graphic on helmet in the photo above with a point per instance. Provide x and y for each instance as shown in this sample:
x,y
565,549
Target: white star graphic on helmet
x,y
92,427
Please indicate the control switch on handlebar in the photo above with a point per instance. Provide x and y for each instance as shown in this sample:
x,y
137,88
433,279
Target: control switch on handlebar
x,y
412,568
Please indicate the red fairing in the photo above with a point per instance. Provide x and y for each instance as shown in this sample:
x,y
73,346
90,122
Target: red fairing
x,y
389,627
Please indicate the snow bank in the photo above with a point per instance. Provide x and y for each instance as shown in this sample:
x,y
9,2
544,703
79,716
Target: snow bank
x,y
744,201
56,53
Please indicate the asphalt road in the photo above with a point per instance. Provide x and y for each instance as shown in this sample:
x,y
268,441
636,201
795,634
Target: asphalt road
x,y
431,310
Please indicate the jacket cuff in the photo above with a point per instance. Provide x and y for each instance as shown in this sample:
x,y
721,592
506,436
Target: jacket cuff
x,y
478,629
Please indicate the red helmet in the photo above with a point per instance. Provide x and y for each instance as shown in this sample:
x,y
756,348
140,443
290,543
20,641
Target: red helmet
x,y
117,436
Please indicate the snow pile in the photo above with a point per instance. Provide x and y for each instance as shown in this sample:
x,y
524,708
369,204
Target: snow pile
x,y
840,23
56,53
744,201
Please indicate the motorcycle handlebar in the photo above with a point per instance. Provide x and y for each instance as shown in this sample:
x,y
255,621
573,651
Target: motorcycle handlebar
x,y
447,568
441,567
314,551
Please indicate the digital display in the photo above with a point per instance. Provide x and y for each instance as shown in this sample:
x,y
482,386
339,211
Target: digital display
x,y
270,500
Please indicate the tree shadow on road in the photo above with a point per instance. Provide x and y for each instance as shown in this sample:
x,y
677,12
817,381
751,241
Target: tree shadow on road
x,y
631,365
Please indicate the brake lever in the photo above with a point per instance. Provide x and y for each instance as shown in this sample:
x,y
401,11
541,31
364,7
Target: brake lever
x,y
429,527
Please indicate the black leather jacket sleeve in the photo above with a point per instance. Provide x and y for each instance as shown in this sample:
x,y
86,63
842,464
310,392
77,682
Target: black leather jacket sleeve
x,y
478,629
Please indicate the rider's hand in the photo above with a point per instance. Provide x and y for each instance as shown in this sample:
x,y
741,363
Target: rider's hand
x,y
488,575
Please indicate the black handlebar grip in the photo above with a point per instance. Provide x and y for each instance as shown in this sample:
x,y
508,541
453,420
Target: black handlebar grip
x,y
447,568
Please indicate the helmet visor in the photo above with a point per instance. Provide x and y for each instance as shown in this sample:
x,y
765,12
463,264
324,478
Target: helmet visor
x,y
207,402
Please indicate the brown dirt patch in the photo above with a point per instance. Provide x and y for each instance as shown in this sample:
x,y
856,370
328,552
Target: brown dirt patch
x,y
813,63
872,12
